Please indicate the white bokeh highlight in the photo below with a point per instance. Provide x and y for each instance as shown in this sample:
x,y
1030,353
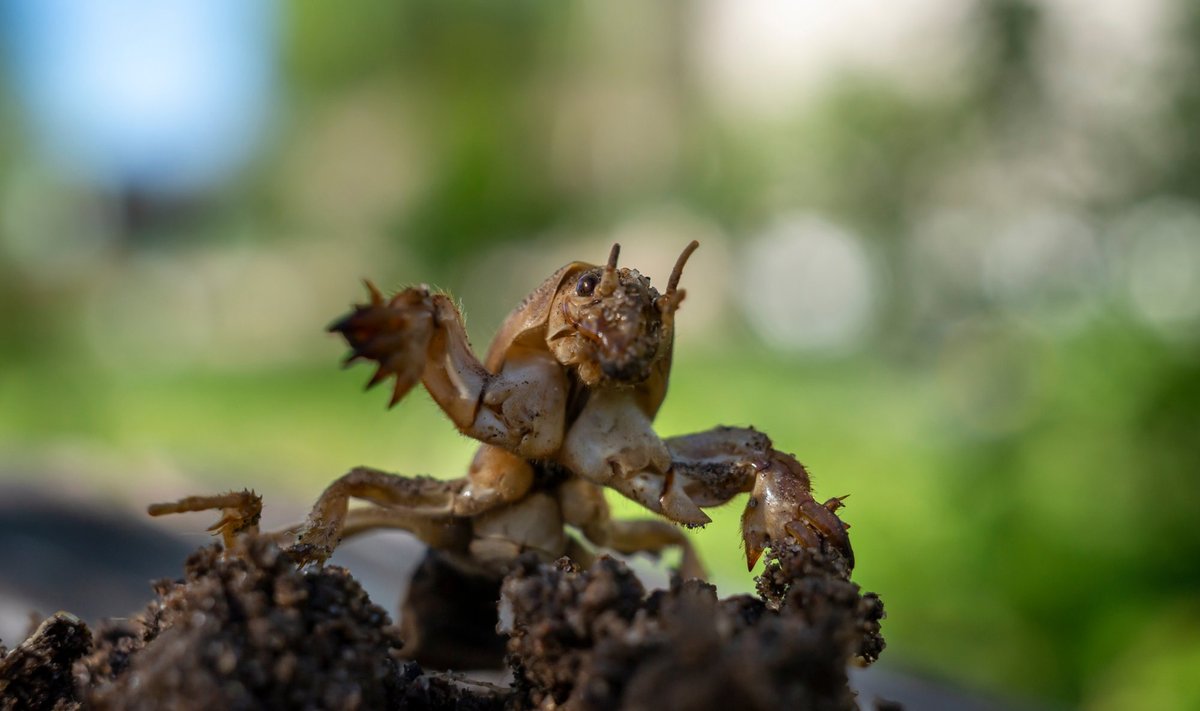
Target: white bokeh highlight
x,y
809,285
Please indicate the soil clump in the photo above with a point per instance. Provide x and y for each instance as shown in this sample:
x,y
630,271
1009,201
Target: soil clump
x,y
248,629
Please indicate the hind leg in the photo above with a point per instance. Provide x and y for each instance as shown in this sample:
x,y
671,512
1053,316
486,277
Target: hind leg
x,y
496,478
420,498
443,533
653,536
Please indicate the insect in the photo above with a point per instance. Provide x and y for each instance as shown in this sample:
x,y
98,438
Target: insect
x,y
563,405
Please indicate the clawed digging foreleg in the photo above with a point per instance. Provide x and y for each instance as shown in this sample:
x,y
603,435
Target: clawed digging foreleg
x,y
781,504
415,336
718,464
393,332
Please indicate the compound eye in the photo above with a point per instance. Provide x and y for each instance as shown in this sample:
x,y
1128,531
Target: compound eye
x,y
587,284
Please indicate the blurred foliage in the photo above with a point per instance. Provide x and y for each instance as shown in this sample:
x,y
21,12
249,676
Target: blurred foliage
x,y
1023,484
1181,172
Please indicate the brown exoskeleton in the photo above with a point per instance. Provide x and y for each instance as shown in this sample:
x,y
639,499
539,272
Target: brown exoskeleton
x,y
563,404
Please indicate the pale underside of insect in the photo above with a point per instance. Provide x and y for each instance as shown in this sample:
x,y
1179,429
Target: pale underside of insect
x,y
563,405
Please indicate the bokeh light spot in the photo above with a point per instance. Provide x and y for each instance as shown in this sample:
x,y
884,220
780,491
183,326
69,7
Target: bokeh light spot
x,y
808,284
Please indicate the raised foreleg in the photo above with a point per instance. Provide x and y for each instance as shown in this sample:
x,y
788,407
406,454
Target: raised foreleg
x,y
712,467
415,334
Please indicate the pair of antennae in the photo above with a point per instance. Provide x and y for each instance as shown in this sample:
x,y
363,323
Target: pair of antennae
x,y
608,282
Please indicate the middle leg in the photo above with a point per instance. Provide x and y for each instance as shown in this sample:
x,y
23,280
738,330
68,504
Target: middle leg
x,y
584,507
444,533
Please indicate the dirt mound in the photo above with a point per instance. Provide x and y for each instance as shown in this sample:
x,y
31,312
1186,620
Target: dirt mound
x,y
37,674
248,630
594,639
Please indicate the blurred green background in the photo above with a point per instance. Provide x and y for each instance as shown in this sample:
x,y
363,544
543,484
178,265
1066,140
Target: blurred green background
x,y
950,258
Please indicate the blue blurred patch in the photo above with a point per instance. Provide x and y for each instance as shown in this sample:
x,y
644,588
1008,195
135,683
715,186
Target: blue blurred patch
x,y
167,96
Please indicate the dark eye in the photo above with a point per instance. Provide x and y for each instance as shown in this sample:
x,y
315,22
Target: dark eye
x,y
587,284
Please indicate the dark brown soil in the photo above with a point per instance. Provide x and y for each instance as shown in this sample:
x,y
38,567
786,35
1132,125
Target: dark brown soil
x,y
594,639
37,674
248,630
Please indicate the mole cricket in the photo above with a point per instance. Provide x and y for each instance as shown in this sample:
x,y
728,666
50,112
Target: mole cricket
x,y
563,405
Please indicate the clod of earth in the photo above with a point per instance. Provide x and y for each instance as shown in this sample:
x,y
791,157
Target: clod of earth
x,y
595,640
248,629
